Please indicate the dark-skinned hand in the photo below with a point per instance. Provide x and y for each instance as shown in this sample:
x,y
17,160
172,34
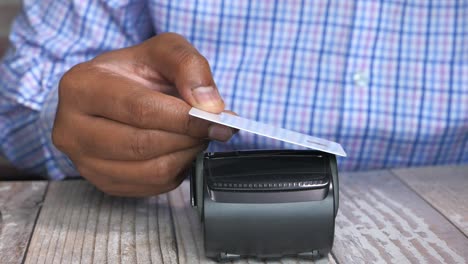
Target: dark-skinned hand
x,y
122,118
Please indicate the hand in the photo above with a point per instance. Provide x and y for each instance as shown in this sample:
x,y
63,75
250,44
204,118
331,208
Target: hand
x,y
121,121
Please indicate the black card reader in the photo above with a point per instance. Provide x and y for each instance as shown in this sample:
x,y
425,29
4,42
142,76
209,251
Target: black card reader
x,y
266,204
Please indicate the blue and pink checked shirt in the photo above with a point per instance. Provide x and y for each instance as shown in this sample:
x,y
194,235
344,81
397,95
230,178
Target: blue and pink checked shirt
x,y
387,79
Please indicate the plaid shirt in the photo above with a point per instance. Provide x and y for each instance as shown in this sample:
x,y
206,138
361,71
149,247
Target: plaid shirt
x,y
387,79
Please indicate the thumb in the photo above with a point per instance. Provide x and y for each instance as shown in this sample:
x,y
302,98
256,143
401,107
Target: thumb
x,y
181,64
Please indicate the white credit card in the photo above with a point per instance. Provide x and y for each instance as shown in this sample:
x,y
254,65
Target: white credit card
x,y
270,131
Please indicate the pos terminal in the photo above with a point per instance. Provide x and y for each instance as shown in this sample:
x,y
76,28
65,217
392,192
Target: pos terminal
x,y
266,204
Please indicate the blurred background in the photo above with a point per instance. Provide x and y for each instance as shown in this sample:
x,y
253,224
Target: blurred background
x,y
8,11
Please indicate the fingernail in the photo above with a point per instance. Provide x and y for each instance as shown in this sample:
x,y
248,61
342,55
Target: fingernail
x,y
206,95
220,133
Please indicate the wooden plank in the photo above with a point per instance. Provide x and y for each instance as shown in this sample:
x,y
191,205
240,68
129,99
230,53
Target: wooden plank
x,y
444,187
79,224
19,206
382,220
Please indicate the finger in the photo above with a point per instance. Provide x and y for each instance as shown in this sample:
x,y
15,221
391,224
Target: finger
x,y
180,63
107,139
220,132
116,97
161,171
234,130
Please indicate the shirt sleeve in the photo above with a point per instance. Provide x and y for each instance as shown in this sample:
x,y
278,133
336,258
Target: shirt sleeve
x,y
48,38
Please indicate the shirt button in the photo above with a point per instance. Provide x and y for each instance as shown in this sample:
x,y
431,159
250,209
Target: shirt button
x,y
360,79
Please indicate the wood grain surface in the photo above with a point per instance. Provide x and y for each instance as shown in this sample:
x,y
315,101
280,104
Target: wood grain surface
x,y
19,205
445,188
79,224
381,220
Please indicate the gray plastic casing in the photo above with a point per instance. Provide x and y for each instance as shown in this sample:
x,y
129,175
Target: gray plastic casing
x,y
265,230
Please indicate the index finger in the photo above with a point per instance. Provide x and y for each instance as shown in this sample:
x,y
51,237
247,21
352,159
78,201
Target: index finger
x,y
121,99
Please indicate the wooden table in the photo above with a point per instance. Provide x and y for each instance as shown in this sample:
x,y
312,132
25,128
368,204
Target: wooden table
x,y
400,216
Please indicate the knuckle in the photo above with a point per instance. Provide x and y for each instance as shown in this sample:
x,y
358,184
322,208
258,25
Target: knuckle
x,y
201,61
141,109
74,83
164,171
163,176
140,145
65,84
187,125
188,58
183,55
69,79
